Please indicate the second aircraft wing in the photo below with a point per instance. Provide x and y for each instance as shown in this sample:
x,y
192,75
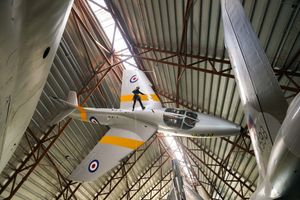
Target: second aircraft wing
x,y
263,101
111,148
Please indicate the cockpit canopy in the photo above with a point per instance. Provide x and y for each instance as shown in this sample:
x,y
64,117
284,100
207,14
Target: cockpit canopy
x,y
180,118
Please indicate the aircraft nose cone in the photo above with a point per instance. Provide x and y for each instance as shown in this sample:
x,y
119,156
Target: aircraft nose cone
x,y
218,126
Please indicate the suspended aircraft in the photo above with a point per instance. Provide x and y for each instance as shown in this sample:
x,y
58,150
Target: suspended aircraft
x,y
274,127
129,129
29,37
181,190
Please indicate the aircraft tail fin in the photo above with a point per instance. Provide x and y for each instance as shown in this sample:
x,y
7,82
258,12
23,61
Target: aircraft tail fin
x,y
130,81
72,98
68,107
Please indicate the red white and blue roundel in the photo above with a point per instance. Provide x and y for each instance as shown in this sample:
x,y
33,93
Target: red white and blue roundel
x,y
94,120
93,166
133,79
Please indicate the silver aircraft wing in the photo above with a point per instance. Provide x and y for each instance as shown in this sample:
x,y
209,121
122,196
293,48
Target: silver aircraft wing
x,y
111,148
264,104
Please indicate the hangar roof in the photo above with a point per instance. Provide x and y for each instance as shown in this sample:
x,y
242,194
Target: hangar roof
x,y
180,44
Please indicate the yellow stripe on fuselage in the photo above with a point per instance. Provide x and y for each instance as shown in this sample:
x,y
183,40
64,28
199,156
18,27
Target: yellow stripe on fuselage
x,y
146,97
83,114
120,141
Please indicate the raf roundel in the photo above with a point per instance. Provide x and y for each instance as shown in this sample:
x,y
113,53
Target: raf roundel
x,y
94,120
93,166
133,79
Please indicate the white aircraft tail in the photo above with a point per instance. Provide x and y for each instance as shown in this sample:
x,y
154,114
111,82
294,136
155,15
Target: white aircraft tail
x,y
130,81
72,98
68,107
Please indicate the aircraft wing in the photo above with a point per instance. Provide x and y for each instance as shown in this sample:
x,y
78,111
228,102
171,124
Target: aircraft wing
x,y
137,78
111,148
264,103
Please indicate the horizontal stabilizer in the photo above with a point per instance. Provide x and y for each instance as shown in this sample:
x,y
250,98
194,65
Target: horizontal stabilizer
x,y
63,114
112,147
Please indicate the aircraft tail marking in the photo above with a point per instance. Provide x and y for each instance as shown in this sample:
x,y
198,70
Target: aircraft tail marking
x,y
83,113
130,81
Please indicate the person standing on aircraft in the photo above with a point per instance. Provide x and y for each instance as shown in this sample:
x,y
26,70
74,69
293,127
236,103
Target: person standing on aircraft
x,y
136,96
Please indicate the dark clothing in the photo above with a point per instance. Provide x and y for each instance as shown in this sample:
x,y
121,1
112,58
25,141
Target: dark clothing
x,y
137,91
136,96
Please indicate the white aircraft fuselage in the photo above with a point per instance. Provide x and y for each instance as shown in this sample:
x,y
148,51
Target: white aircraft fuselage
x,y
29,37
168,120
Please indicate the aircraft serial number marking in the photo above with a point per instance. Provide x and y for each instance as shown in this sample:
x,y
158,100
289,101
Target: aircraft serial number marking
x,y
203,135
262,138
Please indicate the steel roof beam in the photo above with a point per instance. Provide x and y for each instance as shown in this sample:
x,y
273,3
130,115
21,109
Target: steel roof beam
x,y
59,174
97,44
278,71
192,154
206,177
193,173
204,58
65,191
182,46
142,175
163,61
152,173
221,73
221,164
213,70
123,29
202,172
165,178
